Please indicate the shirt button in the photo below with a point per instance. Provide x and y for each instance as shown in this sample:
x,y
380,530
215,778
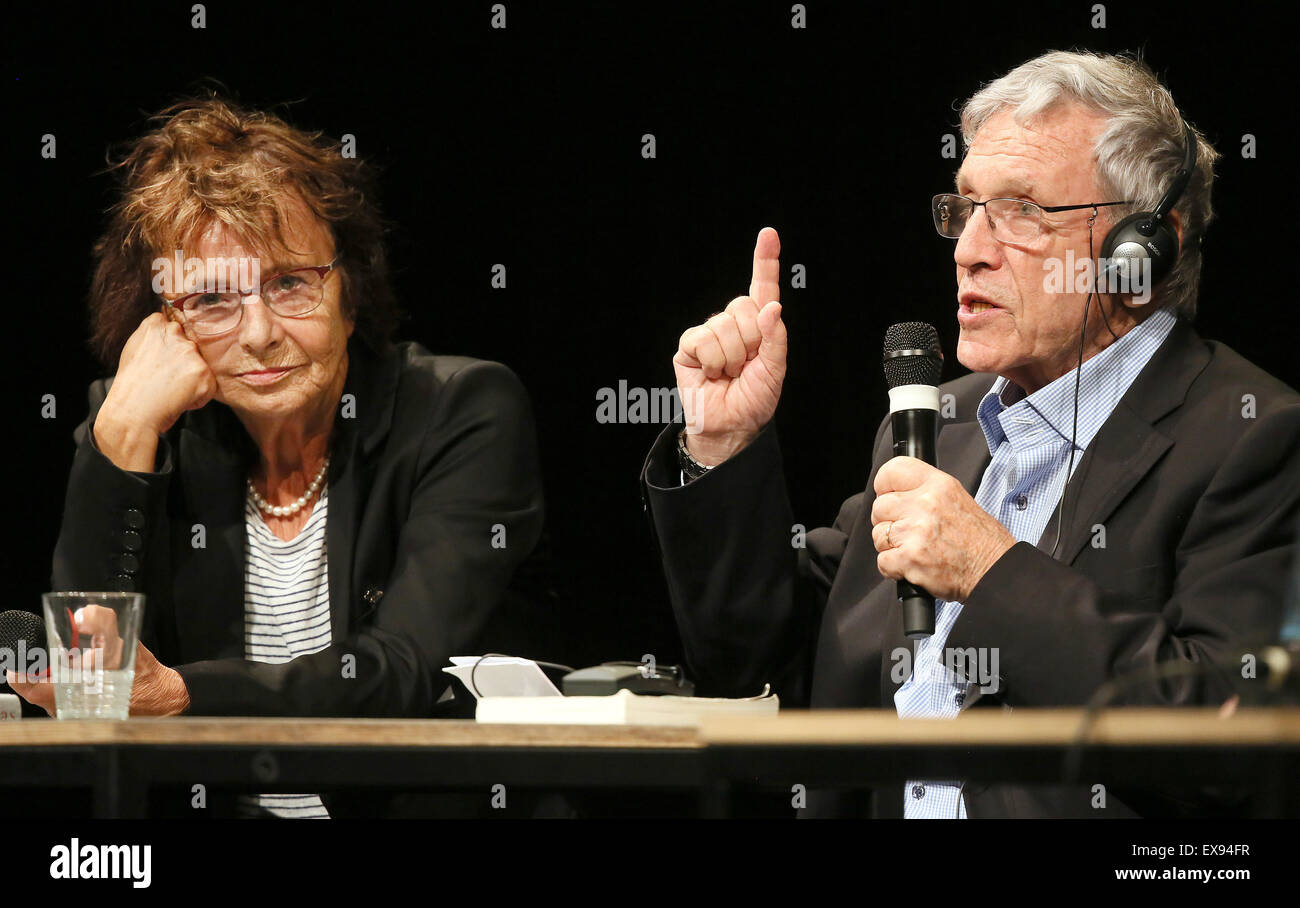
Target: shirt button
x,y
131,541
918,791
133,518
1022,501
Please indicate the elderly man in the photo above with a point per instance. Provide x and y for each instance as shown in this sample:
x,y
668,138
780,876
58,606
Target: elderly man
x,y
1170,541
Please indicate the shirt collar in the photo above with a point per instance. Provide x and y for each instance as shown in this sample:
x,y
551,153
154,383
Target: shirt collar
x,y
1005,414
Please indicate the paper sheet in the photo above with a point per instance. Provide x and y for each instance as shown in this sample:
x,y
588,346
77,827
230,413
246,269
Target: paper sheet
x,y
502,676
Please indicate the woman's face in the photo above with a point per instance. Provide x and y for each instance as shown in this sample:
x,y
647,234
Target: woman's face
x,y
302,361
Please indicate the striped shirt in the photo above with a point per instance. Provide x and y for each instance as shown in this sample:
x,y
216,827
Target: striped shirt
x,y
1029,439
286,615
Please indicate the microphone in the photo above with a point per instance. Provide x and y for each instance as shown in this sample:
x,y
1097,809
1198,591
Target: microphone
x,y
20,630
913,362
20,633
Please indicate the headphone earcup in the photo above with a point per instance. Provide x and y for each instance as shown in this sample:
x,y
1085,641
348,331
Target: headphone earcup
x,y
1126,242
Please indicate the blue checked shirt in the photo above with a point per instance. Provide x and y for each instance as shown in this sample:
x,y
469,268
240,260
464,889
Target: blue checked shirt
x,y
1029,438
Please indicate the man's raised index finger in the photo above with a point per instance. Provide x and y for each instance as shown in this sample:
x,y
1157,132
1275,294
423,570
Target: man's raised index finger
x,y
765,285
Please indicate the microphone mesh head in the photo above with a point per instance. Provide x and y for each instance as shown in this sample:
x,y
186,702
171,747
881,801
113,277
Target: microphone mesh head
x,y
18,625
912,354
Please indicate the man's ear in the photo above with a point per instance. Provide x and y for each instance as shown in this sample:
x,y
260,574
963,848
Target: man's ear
x,y
1176,222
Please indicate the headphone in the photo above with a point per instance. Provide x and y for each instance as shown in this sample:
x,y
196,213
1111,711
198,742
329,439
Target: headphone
x,y
1147,235
1140,237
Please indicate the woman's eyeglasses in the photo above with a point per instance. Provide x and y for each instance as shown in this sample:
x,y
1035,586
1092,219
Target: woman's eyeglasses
x,y
290,294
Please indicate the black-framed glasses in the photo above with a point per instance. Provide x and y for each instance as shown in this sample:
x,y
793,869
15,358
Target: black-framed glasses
x,y
289,294
1012,220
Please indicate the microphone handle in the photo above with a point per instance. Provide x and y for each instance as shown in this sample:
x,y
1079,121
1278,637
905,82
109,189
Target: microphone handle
x,y
916,434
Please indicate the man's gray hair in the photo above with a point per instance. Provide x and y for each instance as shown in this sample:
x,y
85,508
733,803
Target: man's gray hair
x,y
1137,152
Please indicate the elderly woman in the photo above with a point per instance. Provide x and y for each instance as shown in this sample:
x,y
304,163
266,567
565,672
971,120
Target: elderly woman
x,y
319,517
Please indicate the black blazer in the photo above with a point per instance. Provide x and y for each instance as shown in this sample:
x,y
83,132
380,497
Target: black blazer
x,y
434,467
1197,486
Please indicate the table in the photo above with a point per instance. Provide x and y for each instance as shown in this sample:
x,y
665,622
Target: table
x,y
120,760
850,749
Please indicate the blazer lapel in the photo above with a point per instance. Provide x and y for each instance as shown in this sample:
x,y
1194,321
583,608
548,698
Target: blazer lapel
x,y
340,540
1123,452
361,423
1128,445
209,578
963,453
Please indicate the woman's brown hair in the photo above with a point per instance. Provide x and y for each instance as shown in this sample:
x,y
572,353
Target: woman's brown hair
x,y
211,160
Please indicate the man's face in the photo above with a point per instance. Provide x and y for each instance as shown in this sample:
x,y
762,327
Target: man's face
x,y
1031,335
311,349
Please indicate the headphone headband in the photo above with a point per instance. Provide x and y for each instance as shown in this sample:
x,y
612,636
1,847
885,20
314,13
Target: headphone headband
x,y
1181,178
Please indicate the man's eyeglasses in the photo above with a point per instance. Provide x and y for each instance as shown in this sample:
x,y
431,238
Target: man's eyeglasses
x,y
290,294
1012,220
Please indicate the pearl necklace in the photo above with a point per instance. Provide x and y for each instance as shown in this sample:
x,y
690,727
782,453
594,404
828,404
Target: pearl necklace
x,y
290,509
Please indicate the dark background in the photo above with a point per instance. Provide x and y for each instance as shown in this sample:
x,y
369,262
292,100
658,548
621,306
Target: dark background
x,y
523,147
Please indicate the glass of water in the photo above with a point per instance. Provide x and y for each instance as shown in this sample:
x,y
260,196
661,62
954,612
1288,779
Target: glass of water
x,y
91,643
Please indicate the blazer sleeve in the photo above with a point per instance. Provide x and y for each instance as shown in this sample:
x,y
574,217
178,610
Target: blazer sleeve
x,y
475,513
113,530
1060,635
747,585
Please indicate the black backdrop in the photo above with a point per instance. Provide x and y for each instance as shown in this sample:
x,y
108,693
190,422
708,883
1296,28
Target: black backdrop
x,y
523,147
